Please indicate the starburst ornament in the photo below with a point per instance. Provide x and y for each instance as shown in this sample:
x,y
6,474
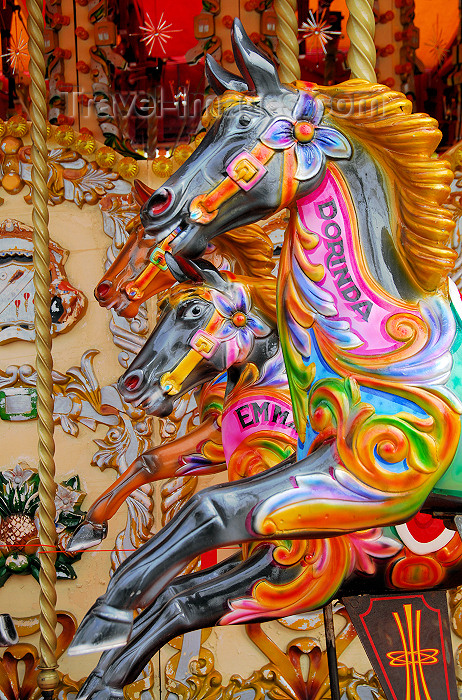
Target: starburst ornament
x,y
438,44
160,32
317,31
17,54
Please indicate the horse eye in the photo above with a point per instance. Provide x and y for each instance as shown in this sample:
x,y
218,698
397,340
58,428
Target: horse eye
x,y
160,201
244,120
191,311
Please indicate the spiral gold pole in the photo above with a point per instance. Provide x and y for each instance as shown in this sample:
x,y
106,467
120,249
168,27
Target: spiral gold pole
x,y
48,678
287,34
362,54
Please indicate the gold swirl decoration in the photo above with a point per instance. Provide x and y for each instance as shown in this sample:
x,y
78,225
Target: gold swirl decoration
x,y
427,444
286,31
361,30
48,678
20,663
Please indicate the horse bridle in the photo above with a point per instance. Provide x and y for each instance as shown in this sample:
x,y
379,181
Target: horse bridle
x,y
203,346
243,173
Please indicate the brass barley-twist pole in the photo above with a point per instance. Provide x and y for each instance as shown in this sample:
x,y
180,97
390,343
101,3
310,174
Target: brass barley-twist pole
x,y
48,678
361,30
286,30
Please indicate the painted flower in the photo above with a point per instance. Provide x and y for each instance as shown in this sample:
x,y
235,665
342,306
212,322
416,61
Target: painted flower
x,y
312,142
368,545
240,327
18,476
65,500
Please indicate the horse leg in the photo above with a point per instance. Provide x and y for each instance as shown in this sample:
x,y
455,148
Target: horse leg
x,y
320,497
160,463
211,518
147,618
199,606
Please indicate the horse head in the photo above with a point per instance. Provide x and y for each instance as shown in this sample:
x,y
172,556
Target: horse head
x,y
139,272
209,322
266,144
134,264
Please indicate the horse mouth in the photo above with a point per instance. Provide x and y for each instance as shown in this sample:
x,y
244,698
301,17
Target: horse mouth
x,y
155,402
186,238
119,302
191,242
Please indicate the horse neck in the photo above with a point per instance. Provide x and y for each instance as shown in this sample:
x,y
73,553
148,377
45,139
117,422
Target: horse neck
x,y
258,404
268,375
353,211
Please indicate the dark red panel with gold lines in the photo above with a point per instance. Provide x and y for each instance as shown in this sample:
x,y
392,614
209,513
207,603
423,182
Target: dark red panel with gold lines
x,y
407,639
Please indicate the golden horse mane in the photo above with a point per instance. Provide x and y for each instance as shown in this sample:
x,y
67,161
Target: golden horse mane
x,y
249,248
403,143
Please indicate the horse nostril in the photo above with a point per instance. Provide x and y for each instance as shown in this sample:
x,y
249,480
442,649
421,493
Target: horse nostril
x,y
160,201
103,289
132,381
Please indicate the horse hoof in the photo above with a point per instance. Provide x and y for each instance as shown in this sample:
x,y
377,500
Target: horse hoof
x,y
8,634
87,535
103,627
99,691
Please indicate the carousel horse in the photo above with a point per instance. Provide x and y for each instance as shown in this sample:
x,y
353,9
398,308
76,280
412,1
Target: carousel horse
x,y
369,327
124,286
258,393
258,433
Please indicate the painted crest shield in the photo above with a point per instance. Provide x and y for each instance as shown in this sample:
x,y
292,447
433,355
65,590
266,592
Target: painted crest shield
x,y
17,286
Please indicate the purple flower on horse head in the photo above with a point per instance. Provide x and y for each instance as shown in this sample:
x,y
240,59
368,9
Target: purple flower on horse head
x,y
240,327
312,142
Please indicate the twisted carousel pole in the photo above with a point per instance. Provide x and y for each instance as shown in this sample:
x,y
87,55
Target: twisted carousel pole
x,y
287,34
361,60
362,54
48,678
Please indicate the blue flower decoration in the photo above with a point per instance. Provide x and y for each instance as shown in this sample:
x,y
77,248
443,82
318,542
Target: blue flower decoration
x,y
312,142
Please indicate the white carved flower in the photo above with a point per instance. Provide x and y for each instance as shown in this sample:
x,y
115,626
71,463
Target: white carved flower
x,y
18,476
65,500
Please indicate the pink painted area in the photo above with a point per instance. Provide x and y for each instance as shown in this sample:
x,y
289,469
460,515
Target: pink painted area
x,y
240,421
335,228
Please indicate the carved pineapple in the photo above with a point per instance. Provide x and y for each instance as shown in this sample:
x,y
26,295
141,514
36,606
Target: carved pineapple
x,y
17,529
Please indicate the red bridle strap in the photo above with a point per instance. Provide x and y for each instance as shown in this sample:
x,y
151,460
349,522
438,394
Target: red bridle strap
x,y
204,207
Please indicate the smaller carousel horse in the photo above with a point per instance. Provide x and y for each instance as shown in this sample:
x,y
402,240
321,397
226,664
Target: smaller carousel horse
x,y
129,281
214,321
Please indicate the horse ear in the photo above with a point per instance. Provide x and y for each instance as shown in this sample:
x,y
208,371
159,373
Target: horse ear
x,y
257,70
209,274
141,192
221,79
175,267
